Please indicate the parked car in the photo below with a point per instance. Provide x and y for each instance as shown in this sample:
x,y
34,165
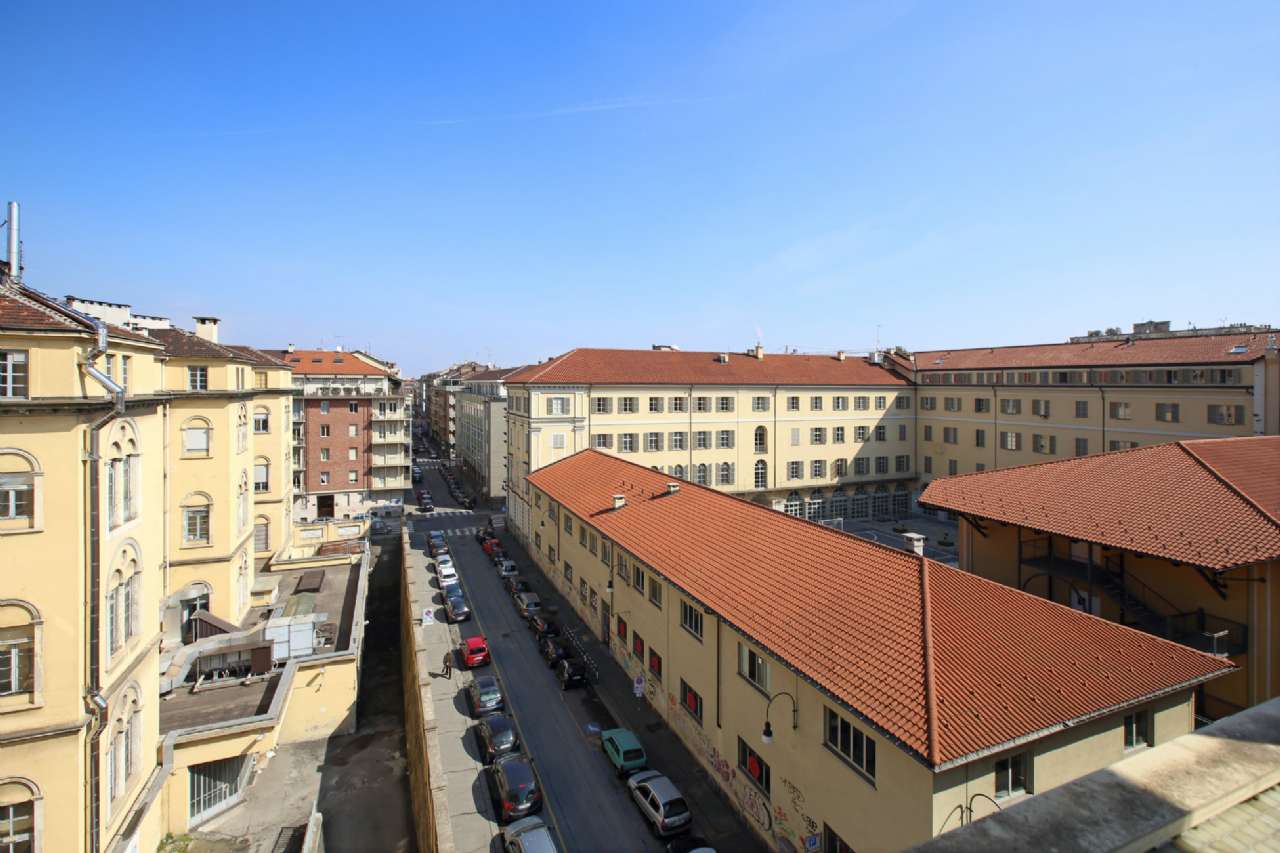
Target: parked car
x,y
516,585
485,696
497,556
623,750
456,608
513,785
660,802
544,627
483,536
507,568
528,604
489,544
554,650
571,673
690,844
496,735
427,506
475,651
528,835
446,572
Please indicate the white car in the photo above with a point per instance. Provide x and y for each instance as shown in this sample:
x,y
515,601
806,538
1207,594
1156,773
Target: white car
x,y
528,835
507,569
660,802
446,572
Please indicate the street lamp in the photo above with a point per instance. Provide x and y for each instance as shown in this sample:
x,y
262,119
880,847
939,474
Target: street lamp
x,y
767,734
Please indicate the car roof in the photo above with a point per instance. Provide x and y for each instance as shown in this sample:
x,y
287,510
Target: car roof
x,y
530,597
476,642
515,764
535,839
483,681
498,723
663,787
624,737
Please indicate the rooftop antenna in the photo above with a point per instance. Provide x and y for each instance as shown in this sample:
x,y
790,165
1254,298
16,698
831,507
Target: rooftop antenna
x,y
15,248
877,337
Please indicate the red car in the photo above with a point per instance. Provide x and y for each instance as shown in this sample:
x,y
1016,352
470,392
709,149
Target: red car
x,y
475,652
490,544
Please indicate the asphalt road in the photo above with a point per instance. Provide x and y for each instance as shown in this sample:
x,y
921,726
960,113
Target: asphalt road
x,y
588,806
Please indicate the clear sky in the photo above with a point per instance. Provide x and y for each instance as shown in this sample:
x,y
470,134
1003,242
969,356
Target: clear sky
x,y
507,181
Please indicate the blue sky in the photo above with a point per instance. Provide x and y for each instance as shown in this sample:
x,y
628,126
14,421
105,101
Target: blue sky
x,y
507,181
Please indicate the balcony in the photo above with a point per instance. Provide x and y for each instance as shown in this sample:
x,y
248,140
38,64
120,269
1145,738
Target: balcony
x,y
398,414
388,482
354,390
391,461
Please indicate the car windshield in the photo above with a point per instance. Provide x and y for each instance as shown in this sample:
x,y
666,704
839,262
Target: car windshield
x,y
520,777
674,808
490,692
633,755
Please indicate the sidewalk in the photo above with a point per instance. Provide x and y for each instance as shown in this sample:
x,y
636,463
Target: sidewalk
x,y
715,818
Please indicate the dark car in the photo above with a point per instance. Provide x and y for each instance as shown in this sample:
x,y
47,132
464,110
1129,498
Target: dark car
x,y
690,844
571,673
554,650
516,585
485,696
544,627
456,608
513,785
496,736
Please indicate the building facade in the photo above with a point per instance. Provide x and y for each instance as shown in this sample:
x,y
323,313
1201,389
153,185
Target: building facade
x,y
442,404
482,431
352,439
911,696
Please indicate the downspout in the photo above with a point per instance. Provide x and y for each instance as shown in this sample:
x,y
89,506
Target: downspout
x,y
94,701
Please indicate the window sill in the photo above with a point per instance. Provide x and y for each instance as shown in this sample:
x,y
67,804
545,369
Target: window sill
x,y
687,630
16,531
1007,799
846,761
195,545
761,690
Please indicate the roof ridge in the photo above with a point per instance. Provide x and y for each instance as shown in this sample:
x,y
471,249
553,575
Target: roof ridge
x,y
553,360
930,695
1222,478
1130,341
52,307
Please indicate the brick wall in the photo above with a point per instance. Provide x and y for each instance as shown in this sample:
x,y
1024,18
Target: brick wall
x,y
339,420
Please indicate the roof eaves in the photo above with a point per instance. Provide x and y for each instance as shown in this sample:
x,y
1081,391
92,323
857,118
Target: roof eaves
x,y
551,362
1222,478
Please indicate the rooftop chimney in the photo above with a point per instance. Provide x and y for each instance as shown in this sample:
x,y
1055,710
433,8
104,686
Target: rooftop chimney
x,y
207,328
15,250
839,355
619,501
758,352
723,358
289,348
672,488
915,542
338,348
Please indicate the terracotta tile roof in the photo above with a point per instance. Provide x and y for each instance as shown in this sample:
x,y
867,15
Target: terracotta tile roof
x,y
257,356
491,375
667,367
22,308
179,343
947,663
323,362
1205,349
1200,502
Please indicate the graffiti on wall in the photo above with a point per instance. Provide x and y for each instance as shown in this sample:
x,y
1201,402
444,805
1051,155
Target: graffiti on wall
x,y
794,829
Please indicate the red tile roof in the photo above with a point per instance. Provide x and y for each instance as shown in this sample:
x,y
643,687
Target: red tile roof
x,y
1211,503
323,362
491,375
22,308
258,356
947,663
675,367
179,343
1204,349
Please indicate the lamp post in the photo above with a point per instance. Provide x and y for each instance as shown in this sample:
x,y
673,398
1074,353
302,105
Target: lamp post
x,y
767,734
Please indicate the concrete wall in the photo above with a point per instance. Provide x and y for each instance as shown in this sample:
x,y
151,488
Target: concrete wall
x,y
422,743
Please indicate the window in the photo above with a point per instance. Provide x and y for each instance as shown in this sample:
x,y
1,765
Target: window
x,y
1226,415
861,404
627,442
17,660
1040,407
979,467
902,463
979,438
655,664
753,667
637,577
818,468
637,646
1121,445
701,475
259,378
795,436
622,629
750,763
1167,412
793,404
353,407
691,618
353,430
197,379
1010,440
881,403
1011,776
928,464
902,402
195,437
951,435
724,474
881,433
1044,443
882,464
951,404
353,454
1137,730
1121,412
818,435
691,701
652,441
560,405
832,843
678,471
1010,406
602,441
724,404
213,783
861,466
795,470
601,405
847,741
261,480
655,591
928,404
761,474
724,439
568,523
262,534
928,432
815,404
324,407
13,374
702,404
324,478
840,467
353,477
1082,447
1082,408
840,404
606,551
582,534
860,433
761,440
953,467
261,421
902,432
679,441
702,439
837,435
981,405
679,404
195,523
324,430
655,405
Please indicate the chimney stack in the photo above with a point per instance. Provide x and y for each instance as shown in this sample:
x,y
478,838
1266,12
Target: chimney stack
x,y
207,328
839,355
619,501
289,348
672,488
916,542
15,250
758,352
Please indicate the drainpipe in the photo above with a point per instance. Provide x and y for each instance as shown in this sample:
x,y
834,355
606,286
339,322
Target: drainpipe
x,y
94,700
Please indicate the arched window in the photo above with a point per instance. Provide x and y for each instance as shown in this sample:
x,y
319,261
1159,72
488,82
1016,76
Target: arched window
x,y
762,440
678,471
124,749
242,585
20,654
261,420
124,588
121,461
21,504
262,534
242,428
197,516
792,506
242,502
761,480
196,437
839,504
20,814
261,475
814,506
724,474
700,474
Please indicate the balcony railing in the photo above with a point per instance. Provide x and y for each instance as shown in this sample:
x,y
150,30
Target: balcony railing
x,y
379,414
349,391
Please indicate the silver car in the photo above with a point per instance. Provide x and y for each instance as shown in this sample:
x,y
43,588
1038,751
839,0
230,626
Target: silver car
x,y
528,835
528,604
660,802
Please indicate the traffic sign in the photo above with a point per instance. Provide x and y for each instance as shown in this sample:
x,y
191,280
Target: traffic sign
x,y
637,686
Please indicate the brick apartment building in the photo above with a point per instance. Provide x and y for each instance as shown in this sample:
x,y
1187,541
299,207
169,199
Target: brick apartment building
x,y
351,433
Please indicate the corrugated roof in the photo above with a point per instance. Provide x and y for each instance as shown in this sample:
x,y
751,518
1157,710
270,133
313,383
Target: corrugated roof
x,y
1205,349
179,343
851,616
323,362
675,367
1211,502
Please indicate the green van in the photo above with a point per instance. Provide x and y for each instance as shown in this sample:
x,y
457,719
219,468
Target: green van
x,y
623,750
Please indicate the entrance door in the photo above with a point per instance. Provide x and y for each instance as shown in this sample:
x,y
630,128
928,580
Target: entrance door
x,y
324,506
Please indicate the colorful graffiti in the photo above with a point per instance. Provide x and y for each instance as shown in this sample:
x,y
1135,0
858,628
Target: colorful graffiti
x,y
793,829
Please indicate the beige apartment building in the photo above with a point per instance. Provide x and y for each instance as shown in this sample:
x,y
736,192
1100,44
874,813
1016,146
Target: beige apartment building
x,y
911,697
145,510
482,431
822,436
996,407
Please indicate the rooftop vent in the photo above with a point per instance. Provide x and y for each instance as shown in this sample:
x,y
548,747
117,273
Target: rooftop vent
x,y
723,358
619,501
672,488
915,542
877,357
1239,348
